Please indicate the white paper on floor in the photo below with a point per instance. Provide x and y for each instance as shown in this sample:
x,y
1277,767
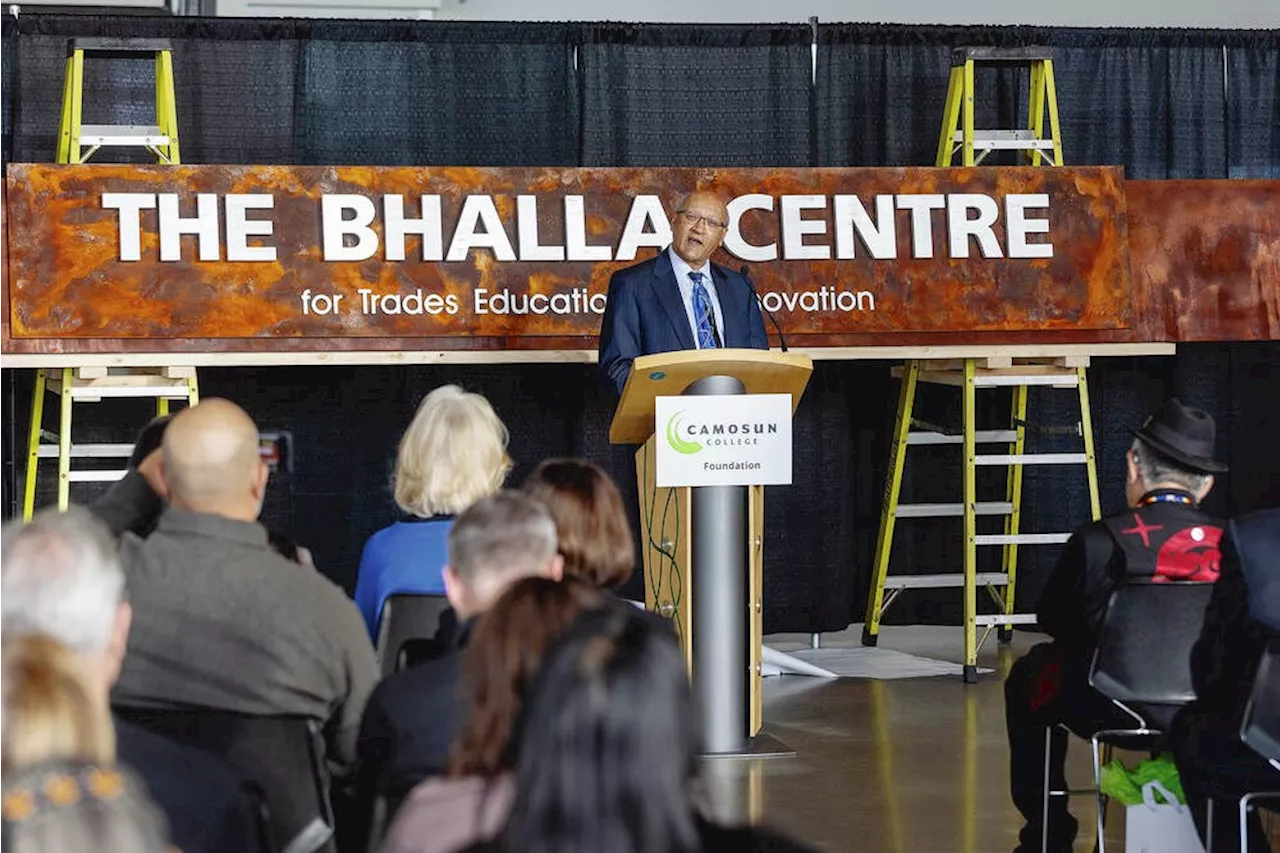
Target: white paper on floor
x,y
858,662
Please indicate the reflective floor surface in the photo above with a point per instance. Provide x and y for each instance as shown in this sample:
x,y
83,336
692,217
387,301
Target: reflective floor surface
x,y
905,766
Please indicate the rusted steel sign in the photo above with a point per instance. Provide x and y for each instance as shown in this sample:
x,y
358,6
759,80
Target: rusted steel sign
x,y
525,255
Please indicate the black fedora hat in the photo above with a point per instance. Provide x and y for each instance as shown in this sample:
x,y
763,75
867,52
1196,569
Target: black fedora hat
x,y
1184,434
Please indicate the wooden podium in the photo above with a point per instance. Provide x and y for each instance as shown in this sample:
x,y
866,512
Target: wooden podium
x,y
703,547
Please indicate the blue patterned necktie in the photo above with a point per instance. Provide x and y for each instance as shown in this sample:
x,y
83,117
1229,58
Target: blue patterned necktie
x,y
702,312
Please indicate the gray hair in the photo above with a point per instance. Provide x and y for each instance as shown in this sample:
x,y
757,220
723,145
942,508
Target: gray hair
x,y
60,575
505,533
1154,468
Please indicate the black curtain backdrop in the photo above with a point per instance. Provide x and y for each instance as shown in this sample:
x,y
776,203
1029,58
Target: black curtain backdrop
x,y
709,95
433,93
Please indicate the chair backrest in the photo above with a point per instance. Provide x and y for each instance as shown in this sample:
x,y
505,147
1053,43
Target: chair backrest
x,y
1144,649
407,616
282,755
1260,729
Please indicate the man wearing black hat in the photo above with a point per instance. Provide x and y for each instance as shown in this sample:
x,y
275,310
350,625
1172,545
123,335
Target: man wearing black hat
x,y
1163,534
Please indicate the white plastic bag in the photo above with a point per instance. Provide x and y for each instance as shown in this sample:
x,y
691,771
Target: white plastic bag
x,y
1160,827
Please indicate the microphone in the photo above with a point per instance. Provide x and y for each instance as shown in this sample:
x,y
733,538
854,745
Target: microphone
x,y
782,339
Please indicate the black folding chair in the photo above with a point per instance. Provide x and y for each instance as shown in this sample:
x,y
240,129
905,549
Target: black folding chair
x,y
408,617
282,755
1143,665
1260,729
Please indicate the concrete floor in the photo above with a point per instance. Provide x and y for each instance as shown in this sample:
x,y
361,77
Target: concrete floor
x,y
904,766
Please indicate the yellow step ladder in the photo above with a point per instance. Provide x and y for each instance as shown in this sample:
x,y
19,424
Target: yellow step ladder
x,y
970,375
970,141
77,142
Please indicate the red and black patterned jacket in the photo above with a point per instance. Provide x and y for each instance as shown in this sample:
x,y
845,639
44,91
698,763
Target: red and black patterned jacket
x,y
1161,541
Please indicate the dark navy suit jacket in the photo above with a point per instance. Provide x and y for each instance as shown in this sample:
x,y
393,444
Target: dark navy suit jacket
x,y
645,314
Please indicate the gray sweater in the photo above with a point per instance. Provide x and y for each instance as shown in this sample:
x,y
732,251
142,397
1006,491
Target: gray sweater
x,y
222,621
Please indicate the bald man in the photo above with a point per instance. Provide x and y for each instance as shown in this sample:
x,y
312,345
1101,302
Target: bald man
x,y
222,621
679,299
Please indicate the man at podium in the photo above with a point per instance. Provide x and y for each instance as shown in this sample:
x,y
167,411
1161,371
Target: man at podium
x,y
678,299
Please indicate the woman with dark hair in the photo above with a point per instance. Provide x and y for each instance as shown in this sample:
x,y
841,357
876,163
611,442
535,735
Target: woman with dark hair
x,y
441,815
608,753
591,520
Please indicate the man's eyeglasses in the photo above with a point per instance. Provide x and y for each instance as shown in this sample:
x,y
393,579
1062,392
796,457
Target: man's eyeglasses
x,y
694,219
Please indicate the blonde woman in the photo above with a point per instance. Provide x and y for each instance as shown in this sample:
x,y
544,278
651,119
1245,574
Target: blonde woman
x,y
62,790
453,454
51,710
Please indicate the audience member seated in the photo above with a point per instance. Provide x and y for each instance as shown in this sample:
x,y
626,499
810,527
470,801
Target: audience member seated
x,y
222,621
413,716
1164,535
607,752
52,711
61,577
453,454
133,503
62,790
443,815
591,520
1242,617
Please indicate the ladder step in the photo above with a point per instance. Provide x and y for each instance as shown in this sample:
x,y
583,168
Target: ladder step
x,y
88,451
1006,140
994,380
954,579
95,392
1031,459
1021,538
952,510
1037,53
1005,619
133,135
95,476
955,378
982,436
119,46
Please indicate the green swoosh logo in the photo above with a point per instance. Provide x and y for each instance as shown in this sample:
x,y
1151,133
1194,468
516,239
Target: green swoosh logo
x,y
678,444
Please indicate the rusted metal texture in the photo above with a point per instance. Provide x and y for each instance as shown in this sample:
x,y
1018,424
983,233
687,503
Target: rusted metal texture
x,y
71,287
1206,257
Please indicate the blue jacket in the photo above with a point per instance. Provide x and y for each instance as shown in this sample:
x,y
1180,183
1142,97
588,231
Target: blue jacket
x,y
645,314
408,556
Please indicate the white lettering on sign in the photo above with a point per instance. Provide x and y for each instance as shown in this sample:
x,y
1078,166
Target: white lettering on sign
x,y
1019,226
646,210
809,227
426,225
240,227
880,237
130,206
337,227
734,241
795,227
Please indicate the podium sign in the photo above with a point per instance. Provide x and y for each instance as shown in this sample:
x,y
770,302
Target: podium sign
x,y
730,440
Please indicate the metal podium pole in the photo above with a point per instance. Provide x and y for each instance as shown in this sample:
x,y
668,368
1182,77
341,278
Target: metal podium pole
x,y
719,524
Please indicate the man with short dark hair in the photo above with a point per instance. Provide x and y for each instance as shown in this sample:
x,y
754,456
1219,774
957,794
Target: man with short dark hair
x,y
413,716
1164,535
62,578
679,299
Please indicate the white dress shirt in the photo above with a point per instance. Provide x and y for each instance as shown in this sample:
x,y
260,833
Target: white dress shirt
x,y
682,270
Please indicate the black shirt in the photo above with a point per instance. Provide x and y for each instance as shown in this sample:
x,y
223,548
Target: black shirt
x,y
204,800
